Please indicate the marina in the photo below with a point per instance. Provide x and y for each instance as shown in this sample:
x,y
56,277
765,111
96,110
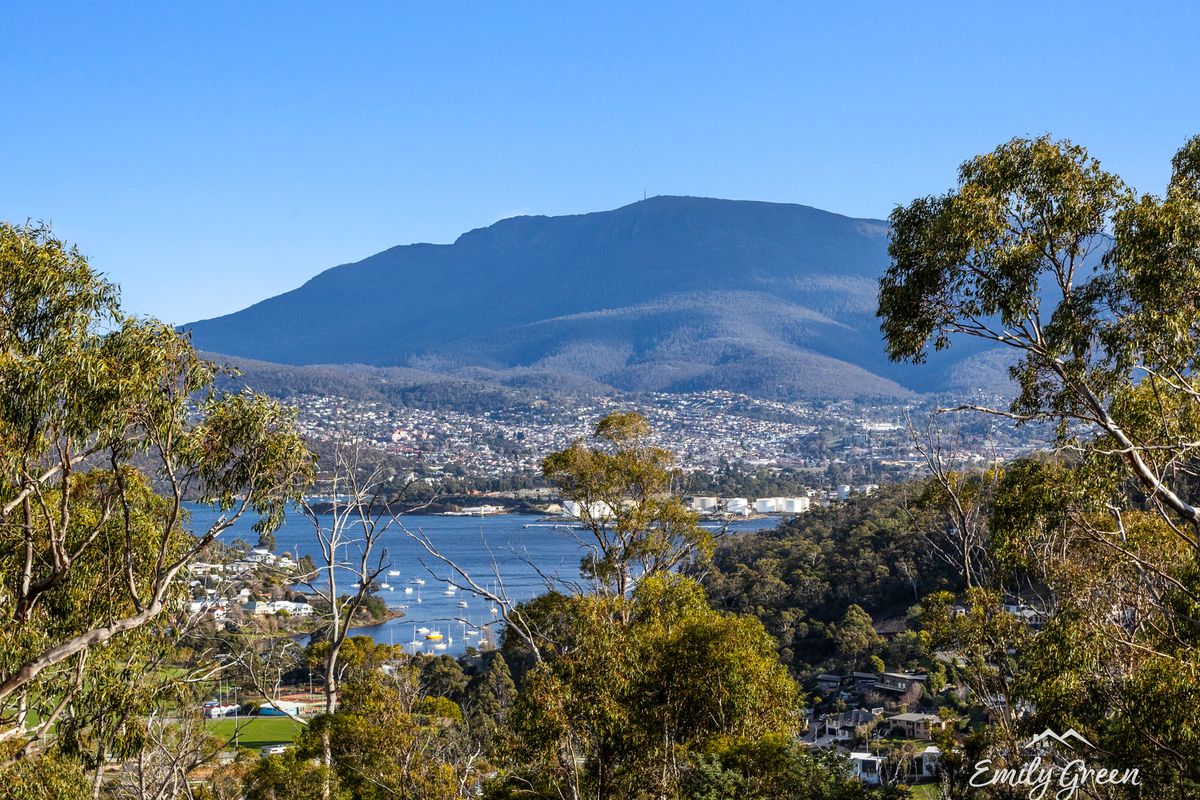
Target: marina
x,y
520,548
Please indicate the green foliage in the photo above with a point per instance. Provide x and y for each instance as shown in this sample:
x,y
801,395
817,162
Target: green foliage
x,y
51,777
393,734
489,698
1109,539
624,488
800,578
439,708
770,768
631,699
360,657
247,441
380,750
1154,267
618,687
374,607
978,253
106,423
855,636
441,675
290,776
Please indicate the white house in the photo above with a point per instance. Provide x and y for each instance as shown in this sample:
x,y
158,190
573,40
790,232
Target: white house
x,y
931,761
295,609
867,768
261,607
217,609
260,555
1030,615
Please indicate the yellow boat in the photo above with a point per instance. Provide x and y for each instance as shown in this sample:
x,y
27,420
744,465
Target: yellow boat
x,y
433,636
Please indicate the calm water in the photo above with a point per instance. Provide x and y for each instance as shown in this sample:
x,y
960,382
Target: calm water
x,y
482,546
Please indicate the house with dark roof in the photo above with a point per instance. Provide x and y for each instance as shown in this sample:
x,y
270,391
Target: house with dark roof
x,y
898,682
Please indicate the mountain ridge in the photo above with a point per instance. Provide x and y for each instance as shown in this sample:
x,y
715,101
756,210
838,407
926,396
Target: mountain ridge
x,y
666,294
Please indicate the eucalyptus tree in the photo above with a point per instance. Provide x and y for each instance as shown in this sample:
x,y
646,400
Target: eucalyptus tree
x,y
349,526
951,512
625,681
176,745
107,423
349,522
624,709
625,677
1042,251
349,530
632,523
1093,289
623,488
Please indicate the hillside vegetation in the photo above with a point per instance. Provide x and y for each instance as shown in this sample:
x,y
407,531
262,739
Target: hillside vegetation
x,y
800,577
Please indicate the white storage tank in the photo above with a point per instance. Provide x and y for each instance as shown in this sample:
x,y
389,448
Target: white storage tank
x,y
768,505
737,505
796,505
596,511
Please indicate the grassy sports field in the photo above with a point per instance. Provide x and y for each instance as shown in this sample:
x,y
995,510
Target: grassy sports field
x,y
256,731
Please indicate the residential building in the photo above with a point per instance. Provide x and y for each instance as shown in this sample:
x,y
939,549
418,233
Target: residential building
x,y
917,726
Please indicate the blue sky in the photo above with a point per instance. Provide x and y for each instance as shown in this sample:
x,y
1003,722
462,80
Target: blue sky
x,y
209,155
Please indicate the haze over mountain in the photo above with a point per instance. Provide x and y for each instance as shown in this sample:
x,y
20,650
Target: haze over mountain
x,y
668,294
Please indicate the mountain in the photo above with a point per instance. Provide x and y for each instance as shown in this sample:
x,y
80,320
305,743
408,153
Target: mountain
x,y
668,294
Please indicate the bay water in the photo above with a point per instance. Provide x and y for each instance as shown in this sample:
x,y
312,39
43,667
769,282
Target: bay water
x,y
510,553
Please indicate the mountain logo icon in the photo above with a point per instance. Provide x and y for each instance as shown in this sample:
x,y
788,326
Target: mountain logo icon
x,y
1061,738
